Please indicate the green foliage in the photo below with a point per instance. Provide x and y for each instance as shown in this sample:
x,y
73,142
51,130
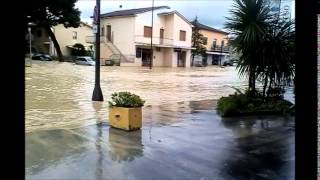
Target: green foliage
x,y
242,104
54,12
78,50
248,22
265,44
125,99
197,40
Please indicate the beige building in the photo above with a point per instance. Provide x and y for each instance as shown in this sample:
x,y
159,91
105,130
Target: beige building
x,y
66,38
126,35
216,42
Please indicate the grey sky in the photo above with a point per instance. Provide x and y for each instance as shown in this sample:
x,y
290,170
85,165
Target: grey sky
x,y
209,12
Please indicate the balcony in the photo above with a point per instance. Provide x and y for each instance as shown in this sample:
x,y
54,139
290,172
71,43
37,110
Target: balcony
x,y
220,48
155,40
92,39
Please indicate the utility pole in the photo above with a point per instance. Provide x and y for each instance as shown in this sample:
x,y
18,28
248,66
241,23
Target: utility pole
x,y
97,93
151,61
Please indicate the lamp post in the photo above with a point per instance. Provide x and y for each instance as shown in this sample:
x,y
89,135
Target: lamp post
x,y
30,43
97,93
151,61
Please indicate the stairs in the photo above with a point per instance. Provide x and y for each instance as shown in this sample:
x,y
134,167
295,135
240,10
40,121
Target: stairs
x,y
109,51
116,54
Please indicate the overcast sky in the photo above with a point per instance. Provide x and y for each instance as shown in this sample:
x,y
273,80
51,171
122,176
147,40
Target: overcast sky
x,y
209,12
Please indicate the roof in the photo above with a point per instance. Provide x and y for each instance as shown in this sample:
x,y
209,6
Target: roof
x,y
130,12
83,23
176,12
202,26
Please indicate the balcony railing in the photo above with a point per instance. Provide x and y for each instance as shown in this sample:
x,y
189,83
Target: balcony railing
x,y
92,39
220,48
155,40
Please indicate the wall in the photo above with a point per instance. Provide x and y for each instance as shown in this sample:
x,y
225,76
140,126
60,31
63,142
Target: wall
x,y
159,57
168,57
38,42
180,24
213,35
122,29
64,37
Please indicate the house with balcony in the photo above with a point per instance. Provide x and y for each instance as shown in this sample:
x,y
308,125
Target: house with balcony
x,y
126,37
216,43
66,38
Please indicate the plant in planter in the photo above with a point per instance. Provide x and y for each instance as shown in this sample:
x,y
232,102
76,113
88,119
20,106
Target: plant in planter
x,y
125,111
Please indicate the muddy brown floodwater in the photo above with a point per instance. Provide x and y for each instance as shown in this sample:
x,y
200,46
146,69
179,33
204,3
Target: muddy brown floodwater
x,y
58,95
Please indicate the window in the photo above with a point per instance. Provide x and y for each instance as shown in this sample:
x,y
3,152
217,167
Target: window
x,y
182,35
147,31
222,43
214,43
205,40
39,33
102,31
74,35
138,52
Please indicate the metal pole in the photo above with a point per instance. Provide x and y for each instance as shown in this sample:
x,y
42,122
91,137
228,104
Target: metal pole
x,y
151,61
30,53
97,93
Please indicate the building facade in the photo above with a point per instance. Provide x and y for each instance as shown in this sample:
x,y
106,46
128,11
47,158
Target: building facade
x,y
66,37
126,36
216,43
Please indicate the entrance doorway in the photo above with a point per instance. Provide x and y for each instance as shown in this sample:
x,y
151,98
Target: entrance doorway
x,y
182,58
109,32
146,57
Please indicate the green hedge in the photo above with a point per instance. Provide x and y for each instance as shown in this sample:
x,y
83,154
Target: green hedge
x,y
241,104
125,99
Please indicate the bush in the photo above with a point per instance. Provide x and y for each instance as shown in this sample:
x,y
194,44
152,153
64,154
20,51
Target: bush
x,y
125,99
78,50
242,104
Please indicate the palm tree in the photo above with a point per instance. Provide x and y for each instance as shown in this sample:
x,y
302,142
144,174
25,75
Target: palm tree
x,y
277,66
249,23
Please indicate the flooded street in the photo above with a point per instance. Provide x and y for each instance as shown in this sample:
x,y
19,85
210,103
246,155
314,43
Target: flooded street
x,y
182,137
58,95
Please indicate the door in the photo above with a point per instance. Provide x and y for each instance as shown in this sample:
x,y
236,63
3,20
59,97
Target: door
x,y
161,36
109,32
146,57
182,59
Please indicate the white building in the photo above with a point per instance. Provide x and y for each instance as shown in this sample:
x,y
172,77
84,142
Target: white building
x,y
126,36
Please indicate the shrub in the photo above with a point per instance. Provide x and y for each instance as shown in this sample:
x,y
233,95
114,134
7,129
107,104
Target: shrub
x,y
78,50
243,104
125,99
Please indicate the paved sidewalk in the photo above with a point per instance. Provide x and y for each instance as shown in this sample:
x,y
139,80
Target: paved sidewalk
x,y
187,140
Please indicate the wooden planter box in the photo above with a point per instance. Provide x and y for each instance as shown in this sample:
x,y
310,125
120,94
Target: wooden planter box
x,y
125,118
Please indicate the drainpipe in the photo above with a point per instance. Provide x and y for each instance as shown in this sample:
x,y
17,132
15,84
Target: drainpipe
x,y
151,61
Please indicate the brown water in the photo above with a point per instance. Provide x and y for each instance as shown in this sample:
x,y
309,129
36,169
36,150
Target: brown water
x,y
58,95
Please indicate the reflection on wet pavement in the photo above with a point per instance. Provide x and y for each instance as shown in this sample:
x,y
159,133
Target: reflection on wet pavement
x,y
185,140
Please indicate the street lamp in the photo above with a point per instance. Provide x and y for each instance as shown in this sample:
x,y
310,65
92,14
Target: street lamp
x,y
97,93
30,44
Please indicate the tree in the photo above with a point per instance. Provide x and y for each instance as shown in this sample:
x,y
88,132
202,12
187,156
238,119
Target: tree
x,y
248,22
48,13
277,67
78,50
197,41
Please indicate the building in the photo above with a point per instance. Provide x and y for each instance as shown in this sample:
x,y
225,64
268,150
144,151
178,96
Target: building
x,y
216,43
126,36
66,38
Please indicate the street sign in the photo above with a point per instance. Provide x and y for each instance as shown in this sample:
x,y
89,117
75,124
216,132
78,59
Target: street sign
x,y
94,29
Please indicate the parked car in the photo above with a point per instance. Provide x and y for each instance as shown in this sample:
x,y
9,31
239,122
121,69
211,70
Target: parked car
x,y
42,57
228,63
85,60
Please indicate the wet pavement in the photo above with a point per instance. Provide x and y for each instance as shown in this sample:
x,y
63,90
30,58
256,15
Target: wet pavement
x,y
68,136
180,141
